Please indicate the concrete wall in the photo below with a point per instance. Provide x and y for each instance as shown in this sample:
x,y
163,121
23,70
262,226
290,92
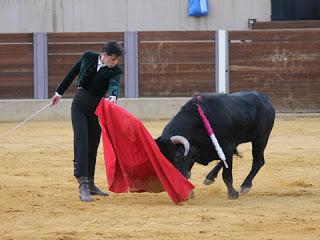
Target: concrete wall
x,y
126,15
143,108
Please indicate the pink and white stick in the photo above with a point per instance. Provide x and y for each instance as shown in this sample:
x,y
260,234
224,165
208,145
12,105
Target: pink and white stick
x,y
212,136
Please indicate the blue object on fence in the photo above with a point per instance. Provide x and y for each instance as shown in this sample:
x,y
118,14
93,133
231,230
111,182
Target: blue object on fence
x,y
198,8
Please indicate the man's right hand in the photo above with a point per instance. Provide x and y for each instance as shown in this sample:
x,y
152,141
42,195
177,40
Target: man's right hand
x,y
113,99
55,99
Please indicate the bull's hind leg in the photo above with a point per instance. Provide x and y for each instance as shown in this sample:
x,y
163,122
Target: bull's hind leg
x,y
212,175
258,148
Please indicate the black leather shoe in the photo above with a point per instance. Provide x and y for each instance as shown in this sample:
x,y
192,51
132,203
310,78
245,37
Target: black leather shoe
x,y
84,189
94,190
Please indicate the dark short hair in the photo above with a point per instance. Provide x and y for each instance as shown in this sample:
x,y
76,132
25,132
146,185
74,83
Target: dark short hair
x,y
112,48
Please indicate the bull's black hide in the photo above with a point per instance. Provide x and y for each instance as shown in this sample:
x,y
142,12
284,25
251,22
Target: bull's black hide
x,y
236,118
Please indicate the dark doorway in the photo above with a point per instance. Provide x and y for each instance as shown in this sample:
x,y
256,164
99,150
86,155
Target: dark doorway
x,y
282,10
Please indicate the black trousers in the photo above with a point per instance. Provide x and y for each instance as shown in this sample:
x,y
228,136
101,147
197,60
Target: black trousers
x,y
87,133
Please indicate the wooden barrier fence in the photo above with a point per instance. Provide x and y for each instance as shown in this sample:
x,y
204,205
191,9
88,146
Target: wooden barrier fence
x,y
286,24
283,63
176,64
16,65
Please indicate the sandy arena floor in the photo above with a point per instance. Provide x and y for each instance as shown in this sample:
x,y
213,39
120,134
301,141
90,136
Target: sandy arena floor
x,y
39,196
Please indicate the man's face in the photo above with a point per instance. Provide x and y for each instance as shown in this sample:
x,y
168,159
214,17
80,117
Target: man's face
x,y
110,60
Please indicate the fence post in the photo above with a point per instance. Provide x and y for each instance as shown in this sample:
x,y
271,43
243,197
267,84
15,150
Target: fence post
x,y
40,56
222,61
131,65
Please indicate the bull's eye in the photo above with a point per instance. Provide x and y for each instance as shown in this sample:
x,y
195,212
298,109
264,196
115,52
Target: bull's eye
x,y
177,157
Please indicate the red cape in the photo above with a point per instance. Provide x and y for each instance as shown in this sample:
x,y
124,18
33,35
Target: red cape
x,y
132,158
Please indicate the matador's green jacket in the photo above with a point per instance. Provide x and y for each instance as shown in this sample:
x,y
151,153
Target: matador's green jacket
x,y
104,82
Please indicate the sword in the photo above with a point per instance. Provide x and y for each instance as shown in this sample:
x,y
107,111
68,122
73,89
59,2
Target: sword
x,y
27,119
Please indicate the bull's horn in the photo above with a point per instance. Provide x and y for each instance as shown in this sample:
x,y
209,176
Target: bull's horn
x,y
183,141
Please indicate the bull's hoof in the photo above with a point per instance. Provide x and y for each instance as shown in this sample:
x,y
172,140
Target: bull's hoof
x,y
233,195
208,181
245,189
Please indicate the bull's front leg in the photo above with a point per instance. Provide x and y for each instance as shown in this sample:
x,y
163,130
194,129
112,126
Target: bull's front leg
x,y
212,175
228,179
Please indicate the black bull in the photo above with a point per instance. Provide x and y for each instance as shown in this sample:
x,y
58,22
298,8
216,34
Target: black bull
x,y
236,118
